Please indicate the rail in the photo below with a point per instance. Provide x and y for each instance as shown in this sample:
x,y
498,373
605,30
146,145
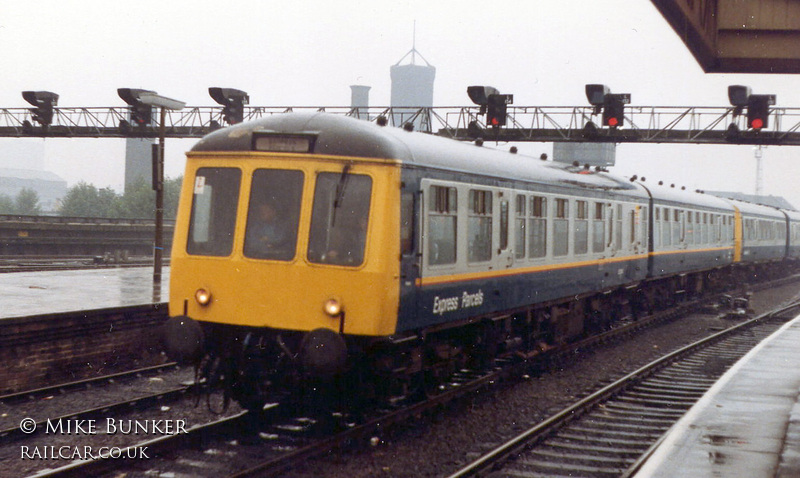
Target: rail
x,y
546,428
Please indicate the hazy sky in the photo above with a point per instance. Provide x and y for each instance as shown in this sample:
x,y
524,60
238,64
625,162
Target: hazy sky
x,y
309,52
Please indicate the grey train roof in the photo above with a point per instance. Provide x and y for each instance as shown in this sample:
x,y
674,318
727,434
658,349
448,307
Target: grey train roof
x,y
344,136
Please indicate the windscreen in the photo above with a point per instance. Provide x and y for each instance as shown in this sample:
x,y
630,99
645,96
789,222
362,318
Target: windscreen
x,y
274,214
339,218
214,204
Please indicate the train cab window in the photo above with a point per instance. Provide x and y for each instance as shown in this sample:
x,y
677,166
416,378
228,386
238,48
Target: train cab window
x,y
479,226
442,210
581,227
214,205
537,230
274,214
599,228
339,218
519,227
561,228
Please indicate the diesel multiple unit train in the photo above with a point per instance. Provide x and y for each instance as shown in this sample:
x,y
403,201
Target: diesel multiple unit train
x,y
313,248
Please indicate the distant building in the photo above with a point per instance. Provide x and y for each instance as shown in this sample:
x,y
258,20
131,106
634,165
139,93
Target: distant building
x,y
138,161
774,201
412,86
359,101
49,186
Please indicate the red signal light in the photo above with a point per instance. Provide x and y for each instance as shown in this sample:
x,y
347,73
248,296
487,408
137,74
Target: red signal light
x,y
612,121
757,123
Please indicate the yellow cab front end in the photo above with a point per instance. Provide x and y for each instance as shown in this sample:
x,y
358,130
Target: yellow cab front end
x,y
332,266
286,254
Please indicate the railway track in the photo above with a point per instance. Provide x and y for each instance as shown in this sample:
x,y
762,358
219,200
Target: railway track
x,y
21,400
85,383
241,446
606,433
244,447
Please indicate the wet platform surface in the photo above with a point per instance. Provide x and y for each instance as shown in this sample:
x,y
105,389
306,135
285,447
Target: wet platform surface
x,y
747,424
35,293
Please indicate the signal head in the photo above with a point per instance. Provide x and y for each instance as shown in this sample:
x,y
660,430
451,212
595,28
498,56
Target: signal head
x,y
225,96
40,98
132,96
596,94
738,95
480,94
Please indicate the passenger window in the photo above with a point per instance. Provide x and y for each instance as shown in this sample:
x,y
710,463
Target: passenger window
x,y
339,218
632,217
618,228
677,226
537,235
599,228
644,222
690,228
274,214
442,210
519,229
479,226
581,227
561,228
214,205
657,227
666,232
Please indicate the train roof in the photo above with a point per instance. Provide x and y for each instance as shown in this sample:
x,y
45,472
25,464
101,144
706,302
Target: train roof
x,y
671,196
752,209
344,136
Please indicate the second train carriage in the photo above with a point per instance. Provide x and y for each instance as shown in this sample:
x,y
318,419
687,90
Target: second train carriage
x,y
691,232
307,245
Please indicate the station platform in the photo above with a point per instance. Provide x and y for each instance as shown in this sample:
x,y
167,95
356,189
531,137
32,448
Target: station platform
x,y
746,425
37,293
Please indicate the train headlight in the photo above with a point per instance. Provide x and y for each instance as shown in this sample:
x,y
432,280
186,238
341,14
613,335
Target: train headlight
x,y
332,307
202,296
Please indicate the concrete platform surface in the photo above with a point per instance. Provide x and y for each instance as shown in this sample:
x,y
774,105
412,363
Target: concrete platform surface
x,y
35,293
746,425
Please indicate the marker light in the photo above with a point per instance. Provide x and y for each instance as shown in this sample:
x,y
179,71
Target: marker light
x,y
202,296
332,308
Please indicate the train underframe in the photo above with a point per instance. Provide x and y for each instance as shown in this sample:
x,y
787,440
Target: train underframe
x,y
255,366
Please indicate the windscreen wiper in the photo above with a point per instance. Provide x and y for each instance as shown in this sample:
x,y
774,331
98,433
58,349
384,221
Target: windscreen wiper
x,y
340,188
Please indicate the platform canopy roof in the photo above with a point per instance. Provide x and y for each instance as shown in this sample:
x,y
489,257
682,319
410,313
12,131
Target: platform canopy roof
x,y
738,36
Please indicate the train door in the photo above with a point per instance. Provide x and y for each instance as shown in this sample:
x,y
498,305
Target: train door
x,y
505,249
